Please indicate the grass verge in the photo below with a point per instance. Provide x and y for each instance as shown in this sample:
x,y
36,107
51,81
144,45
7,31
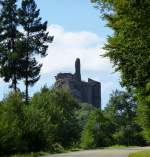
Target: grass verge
x,y
30,155
141,154
26,155
118,146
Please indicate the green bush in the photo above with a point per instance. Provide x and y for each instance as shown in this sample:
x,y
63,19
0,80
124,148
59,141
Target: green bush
x,y
48,120
57,148
143,118
11,124
83,113
97,131
58,108
37,132
122,111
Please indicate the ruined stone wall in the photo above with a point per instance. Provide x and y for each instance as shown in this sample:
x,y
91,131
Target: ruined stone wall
x,y
88,92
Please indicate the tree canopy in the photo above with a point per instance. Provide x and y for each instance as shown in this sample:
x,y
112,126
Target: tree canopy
x,y
128,47
121,110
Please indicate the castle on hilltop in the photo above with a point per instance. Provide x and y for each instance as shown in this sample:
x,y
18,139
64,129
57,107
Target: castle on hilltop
x,y
85,92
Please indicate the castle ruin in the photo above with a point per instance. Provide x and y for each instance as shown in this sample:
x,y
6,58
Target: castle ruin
x,y
85,92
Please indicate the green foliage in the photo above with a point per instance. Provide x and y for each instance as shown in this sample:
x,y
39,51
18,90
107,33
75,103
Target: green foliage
x,y
128,47
83,114
97,131
11,123
129,135
144,110
121,107
47,123
121,110
37,131
59,108
57,148
118,146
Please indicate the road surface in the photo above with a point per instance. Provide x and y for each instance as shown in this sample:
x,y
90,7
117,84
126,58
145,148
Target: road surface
x,y
124,152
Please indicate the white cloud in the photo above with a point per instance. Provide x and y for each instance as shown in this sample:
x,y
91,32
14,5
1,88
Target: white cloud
x,y
68,46
87,46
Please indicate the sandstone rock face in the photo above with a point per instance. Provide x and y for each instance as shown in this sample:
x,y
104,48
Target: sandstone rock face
x,y
87,92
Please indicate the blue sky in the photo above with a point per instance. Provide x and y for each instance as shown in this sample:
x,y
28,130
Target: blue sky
x,y
79,32
73,15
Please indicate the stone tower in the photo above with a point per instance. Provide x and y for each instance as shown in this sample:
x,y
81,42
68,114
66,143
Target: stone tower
x,y
84,92
77,74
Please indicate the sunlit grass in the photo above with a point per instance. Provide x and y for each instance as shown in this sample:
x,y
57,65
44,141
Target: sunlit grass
x,y
141,154
118,146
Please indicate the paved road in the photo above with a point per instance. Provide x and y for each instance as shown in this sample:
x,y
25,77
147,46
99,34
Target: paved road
x,y
102,153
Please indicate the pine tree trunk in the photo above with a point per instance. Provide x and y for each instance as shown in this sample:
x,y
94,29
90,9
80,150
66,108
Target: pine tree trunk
x,y
14,62
27,61
14,83
27,93
26,80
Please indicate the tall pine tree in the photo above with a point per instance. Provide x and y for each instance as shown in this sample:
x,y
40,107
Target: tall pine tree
x,y
36,39
9,39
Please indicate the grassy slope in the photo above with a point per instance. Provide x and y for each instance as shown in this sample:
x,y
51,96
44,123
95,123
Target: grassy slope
x,y
141,154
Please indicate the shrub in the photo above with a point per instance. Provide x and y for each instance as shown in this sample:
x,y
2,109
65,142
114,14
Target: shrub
x,y
57,148
48,121
11,124
58,108
97,131
83,113
143,118
122,111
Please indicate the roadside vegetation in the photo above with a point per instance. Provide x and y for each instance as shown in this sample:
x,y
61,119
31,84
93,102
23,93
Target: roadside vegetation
x,y
115,125
118,146
28,155
140,154
47,123
54,122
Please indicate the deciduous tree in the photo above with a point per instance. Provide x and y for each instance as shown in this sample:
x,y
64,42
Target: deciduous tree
x,y
128,47
122,111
